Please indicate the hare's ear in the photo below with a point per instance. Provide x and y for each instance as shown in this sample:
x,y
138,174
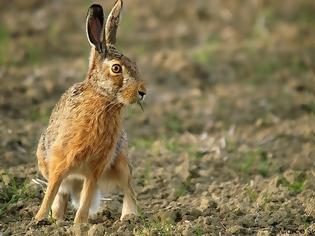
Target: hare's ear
x,y
112,23
94,26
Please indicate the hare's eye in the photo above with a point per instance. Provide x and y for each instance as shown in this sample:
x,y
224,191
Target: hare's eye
x,y
116,68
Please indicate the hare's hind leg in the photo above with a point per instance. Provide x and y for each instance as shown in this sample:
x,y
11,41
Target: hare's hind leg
x,y
57,171
59,205
121,174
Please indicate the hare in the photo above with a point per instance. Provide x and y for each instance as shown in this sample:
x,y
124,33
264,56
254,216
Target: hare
x,y
83,149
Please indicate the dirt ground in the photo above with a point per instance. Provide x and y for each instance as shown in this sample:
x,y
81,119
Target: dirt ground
x,y
226,142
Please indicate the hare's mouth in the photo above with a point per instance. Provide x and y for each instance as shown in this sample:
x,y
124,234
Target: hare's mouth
x,y
133,100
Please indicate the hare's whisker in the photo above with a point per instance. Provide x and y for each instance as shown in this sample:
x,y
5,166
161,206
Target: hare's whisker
x,y
111,108
139,103
111,102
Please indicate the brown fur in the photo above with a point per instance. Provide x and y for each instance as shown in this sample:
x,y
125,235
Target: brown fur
x,y
83,146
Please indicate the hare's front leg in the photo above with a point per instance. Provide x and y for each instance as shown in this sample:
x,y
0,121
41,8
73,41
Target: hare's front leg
x,y
57,171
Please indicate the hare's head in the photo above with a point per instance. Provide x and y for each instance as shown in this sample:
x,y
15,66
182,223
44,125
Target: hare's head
x,y
113,74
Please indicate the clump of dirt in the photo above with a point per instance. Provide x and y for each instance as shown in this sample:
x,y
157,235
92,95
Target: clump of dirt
x,y
225,144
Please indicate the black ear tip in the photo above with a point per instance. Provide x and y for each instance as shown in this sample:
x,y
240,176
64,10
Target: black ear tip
x,y
96,9
120,2
96,6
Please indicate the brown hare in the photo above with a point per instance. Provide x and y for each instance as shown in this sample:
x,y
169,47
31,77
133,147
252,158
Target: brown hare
x,y
83,149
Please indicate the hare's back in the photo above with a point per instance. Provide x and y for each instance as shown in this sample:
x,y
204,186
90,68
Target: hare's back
x,y
59,113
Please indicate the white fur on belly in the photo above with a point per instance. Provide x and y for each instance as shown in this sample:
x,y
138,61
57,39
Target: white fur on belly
x,y
73,186
95,204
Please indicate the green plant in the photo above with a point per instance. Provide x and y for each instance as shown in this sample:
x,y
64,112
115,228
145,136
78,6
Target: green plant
x,y
198,230
4,43
295,186
252,194
254,161
142,144
173,122
12,190
309,107
154,226
181,189
145,176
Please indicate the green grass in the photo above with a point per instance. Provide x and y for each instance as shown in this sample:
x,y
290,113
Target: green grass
x,y
254,161
265,199
309,107
34,55
198,230
12,190
261,64
252,193
206,52
272,64
174,147
231,145
170,144
142,144
305,14
173,123
178,148
181,189
262,22
38,115
4,44
146,175
295,186
155,226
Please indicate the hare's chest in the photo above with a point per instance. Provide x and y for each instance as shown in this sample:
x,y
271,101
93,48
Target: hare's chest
x,y
100,138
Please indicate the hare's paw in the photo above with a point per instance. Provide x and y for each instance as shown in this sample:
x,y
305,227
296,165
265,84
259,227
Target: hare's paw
x,y
80,218
130,219
129,215
38,223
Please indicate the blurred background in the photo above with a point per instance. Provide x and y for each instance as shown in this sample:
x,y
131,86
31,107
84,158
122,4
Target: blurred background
x,y
229,110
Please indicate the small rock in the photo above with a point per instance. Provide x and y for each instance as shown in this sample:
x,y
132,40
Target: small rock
x,y
188,218
98,229
310,206
172,216
235,229
80,229
200,187
310,230
61,223
263,233
123,230
195,212
187,232
207,220
206,203
7,232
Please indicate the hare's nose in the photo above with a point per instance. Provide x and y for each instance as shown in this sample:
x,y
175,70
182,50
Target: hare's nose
x,y
141,95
